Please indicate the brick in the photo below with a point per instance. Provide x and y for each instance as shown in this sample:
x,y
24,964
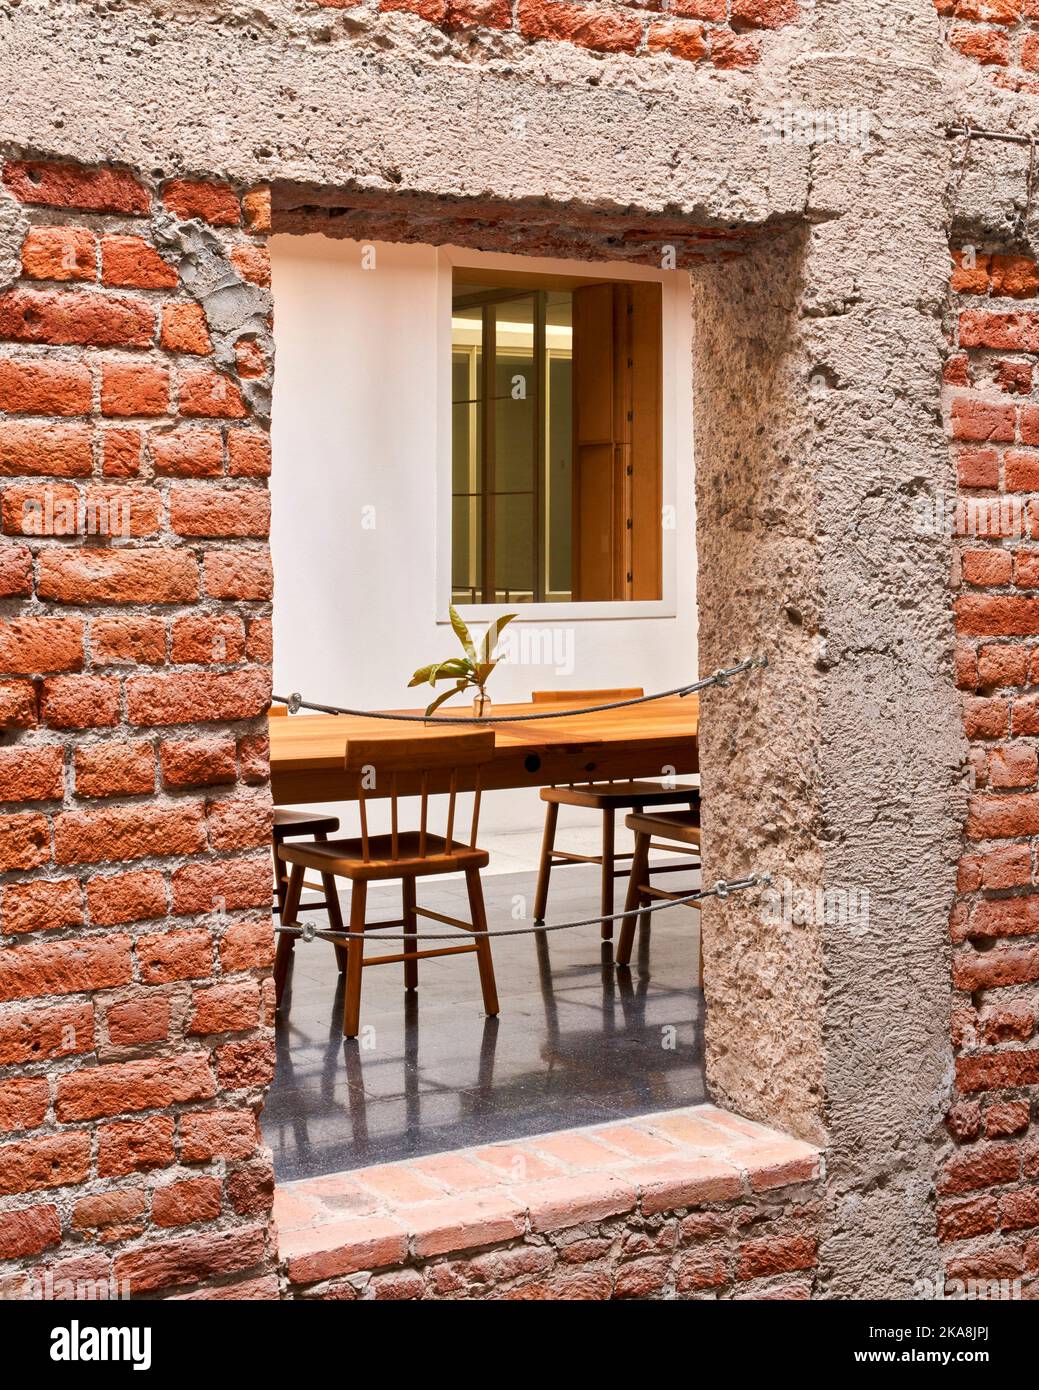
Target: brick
x,y
198,762
132,1022
991,969
153,575
986,718
1016,331
253,262
60,253
80,702
57,1160
184,329
41,905
15,575
1002,664
239,574
33,773
978,467
1006,1118
198,697
132,388
682,39
997,615
115,769
59,451
23,1103
24,841
114,1214
775,1255
197,1258
251,359
73,318
205,393
130,262
571,1201
986,566
127,641
1013,765
259,645
135,1145
975,419
131,897
987,46
605,31
1005,917
71,186
247,945
38,386
701,9
239,823
42,1033
1029,421
342,1247
256,206
119,1087
729,51
1019,1211
254,756
206,1134
242,1064
175,955
226,1008
459,1223
212,512
122,452
187,1201
215,203
962,1220
28,1231
998,1070
1008,1023
128,832
202,639
763,14
248,454
685,1182
188,453
65,967
1007,867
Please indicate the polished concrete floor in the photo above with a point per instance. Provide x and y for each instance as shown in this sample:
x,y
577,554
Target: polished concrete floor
x,y
577,1042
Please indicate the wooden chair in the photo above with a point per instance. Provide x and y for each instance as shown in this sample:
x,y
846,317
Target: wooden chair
x,y
454,759
681,827
605,797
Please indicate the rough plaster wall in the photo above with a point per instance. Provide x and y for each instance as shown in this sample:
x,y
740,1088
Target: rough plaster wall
x,y
758,587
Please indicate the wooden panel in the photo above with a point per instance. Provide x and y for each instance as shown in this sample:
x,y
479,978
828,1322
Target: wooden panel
x,y
646,440
594,413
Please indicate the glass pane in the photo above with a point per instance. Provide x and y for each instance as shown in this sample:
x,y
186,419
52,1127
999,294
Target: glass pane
x,y
514,548
558,476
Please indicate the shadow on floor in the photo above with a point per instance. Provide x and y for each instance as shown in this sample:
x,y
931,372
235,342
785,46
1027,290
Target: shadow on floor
x,y
577,1042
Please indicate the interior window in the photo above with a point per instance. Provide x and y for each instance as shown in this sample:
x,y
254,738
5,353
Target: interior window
x,y
555,438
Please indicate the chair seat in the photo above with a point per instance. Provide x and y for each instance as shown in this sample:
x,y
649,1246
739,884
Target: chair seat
x,y
683,826
288,822
346,857
607,796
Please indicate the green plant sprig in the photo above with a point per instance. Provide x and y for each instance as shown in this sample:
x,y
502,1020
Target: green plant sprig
x,y
473,669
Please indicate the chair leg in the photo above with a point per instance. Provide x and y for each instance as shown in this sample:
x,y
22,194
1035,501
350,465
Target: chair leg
x,y
483,948
639,864
279,881
286,941
548,841
410,928
608,825
335,918
354,962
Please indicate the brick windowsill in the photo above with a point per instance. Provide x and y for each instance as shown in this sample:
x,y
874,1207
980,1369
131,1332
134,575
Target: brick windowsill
x,y
382,1217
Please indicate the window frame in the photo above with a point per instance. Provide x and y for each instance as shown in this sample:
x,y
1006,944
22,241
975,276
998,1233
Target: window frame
x,y
676,432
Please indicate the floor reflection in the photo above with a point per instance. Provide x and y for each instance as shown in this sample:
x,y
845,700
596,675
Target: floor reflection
x,y
577,1041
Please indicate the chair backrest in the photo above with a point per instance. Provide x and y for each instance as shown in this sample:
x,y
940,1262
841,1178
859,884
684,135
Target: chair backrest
x,y
447,754
586,697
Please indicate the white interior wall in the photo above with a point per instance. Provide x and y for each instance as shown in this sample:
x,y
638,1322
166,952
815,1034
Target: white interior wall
x,y
355,507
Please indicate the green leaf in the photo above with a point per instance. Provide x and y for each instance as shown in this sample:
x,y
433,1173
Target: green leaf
x,y
493,635
462,633
444,695
420,676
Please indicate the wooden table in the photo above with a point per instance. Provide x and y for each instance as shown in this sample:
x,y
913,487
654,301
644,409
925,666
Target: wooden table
x,y
647,740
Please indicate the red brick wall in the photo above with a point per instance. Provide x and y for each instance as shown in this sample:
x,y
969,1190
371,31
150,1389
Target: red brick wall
x,y
989,1182
725,33
135,1003
1002,35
